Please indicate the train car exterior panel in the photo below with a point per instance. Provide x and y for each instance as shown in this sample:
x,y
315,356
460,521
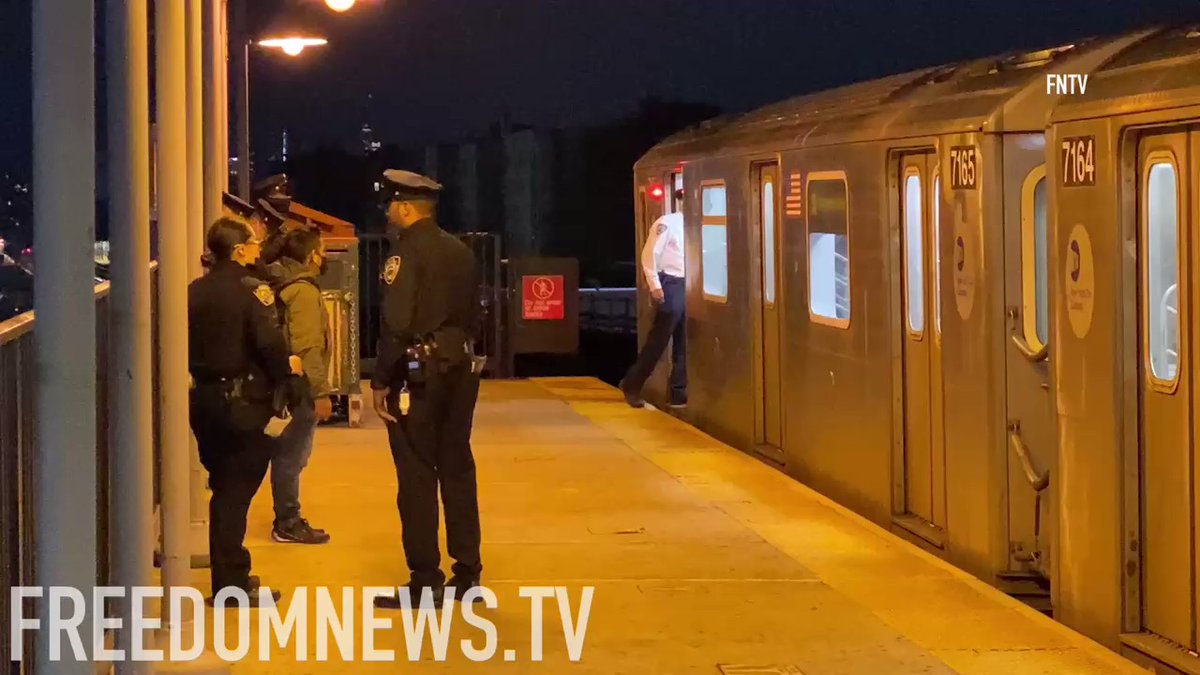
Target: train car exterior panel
x,y
838,377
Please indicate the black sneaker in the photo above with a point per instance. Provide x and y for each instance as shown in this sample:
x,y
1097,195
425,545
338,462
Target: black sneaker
x,y
418,598
254,596
298,531
678,401
633,398
460,586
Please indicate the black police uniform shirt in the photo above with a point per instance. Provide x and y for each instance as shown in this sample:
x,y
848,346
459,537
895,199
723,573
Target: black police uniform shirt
x,y
430,283
233,329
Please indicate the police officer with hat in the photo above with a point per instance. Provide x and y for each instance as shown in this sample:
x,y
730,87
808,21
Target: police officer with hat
x,y
237,359
426,383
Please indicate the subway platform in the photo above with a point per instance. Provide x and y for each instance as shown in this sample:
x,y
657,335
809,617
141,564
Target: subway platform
x,y
703,559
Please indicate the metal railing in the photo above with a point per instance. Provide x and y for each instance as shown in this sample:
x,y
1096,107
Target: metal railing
x,y
608,310
18,385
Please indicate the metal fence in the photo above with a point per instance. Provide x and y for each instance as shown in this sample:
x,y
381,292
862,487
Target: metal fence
x,y
18,386
373,250
608,310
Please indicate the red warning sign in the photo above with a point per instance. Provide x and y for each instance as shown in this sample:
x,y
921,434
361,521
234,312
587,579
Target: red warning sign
x,y
542,298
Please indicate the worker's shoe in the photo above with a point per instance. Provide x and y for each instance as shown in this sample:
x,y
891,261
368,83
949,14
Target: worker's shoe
x,y
632,397
254,595
459,586
419,597
678,400
298,531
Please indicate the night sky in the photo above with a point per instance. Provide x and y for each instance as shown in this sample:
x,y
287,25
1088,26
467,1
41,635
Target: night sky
x,y
444,69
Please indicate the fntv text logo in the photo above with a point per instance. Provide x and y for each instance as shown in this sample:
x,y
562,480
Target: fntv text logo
x,y
349,627
1066,84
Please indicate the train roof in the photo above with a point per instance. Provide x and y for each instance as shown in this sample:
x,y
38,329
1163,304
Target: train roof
x,y
1160,72
1005,93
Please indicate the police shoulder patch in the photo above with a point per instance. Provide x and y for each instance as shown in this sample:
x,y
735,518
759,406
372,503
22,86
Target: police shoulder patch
x,y
265,295
391,269
662,228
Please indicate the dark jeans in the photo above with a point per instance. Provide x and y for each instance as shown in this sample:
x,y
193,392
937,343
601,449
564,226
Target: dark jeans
x,y
670,326
431,446
292,451
236,462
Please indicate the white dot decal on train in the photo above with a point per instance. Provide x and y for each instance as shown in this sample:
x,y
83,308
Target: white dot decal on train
x,y
1081,282
964,265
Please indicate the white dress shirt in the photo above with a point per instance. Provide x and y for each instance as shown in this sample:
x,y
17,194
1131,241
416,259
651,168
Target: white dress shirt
x,y
663,251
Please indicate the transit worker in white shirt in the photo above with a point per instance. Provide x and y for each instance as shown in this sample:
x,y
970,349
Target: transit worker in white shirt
x,y
663,267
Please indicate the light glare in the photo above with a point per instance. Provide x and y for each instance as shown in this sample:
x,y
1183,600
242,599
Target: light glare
x,y
339,5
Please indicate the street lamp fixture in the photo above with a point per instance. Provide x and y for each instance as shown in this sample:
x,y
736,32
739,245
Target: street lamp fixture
x,y
339,5
292,46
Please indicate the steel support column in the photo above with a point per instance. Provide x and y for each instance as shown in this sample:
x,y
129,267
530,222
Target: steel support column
x,y
172,182
131,432
197,121
64,211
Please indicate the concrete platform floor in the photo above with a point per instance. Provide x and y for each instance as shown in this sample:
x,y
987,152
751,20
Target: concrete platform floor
x,y
701,557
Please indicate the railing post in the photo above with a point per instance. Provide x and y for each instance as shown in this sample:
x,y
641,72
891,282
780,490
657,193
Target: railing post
x,y
131,477
64,210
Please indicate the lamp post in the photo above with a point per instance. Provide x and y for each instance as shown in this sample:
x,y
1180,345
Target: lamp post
x,y
292,36
291,44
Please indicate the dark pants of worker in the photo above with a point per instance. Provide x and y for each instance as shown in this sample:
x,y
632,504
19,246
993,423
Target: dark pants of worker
x,y
431,446
670,325
237,463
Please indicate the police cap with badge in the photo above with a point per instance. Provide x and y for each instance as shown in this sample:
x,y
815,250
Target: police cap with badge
x,y
400,185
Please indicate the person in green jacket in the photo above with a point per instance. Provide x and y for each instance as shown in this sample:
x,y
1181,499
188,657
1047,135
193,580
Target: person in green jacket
x,y
305,323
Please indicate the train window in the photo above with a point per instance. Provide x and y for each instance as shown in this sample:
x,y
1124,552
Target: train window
x,y
1035,267
937,253
914,248
768,237
714,241
676,186
1162,270
828,248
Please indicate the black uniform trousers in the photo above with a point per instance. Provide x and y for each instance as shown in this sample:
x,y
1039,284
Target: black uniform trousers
x,y
669,325
431,447
236,462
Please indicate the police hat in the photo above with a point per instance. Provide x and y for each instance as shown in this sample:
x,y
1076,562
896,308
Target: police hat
x,y
400,184
237,206
272,187
270,215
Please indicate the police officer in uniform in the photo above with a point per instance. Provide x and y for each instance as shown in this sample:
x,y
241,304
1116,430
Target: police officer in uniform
x,y
237,357
426,383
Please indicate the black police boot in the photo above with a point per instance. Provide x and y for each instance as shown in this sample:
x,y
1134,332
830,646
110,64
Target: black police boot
x,y
419,597
298,531
460,586
678,400
633,398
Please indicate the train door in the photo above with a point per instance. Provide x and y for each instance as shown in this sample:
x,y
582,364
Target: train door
x,y
1032,448
924,452
768,406
1168,425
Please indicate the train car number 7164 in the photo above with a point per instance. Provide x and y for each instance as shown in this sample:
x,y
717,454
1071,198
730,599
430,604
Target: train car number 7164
x,y
1079,161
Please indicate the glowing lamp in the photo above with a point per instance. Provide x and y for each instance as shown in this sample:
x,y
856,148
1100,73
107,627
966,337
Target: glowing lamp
x,y
292,46
657,192
339,5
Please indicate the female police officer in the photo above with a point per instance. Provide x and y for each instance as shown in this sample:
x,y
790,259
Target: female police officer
x,y
237,356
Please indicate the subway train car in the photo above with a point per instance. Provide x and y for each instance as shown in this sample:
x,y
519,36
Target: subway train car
x,y
957,301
